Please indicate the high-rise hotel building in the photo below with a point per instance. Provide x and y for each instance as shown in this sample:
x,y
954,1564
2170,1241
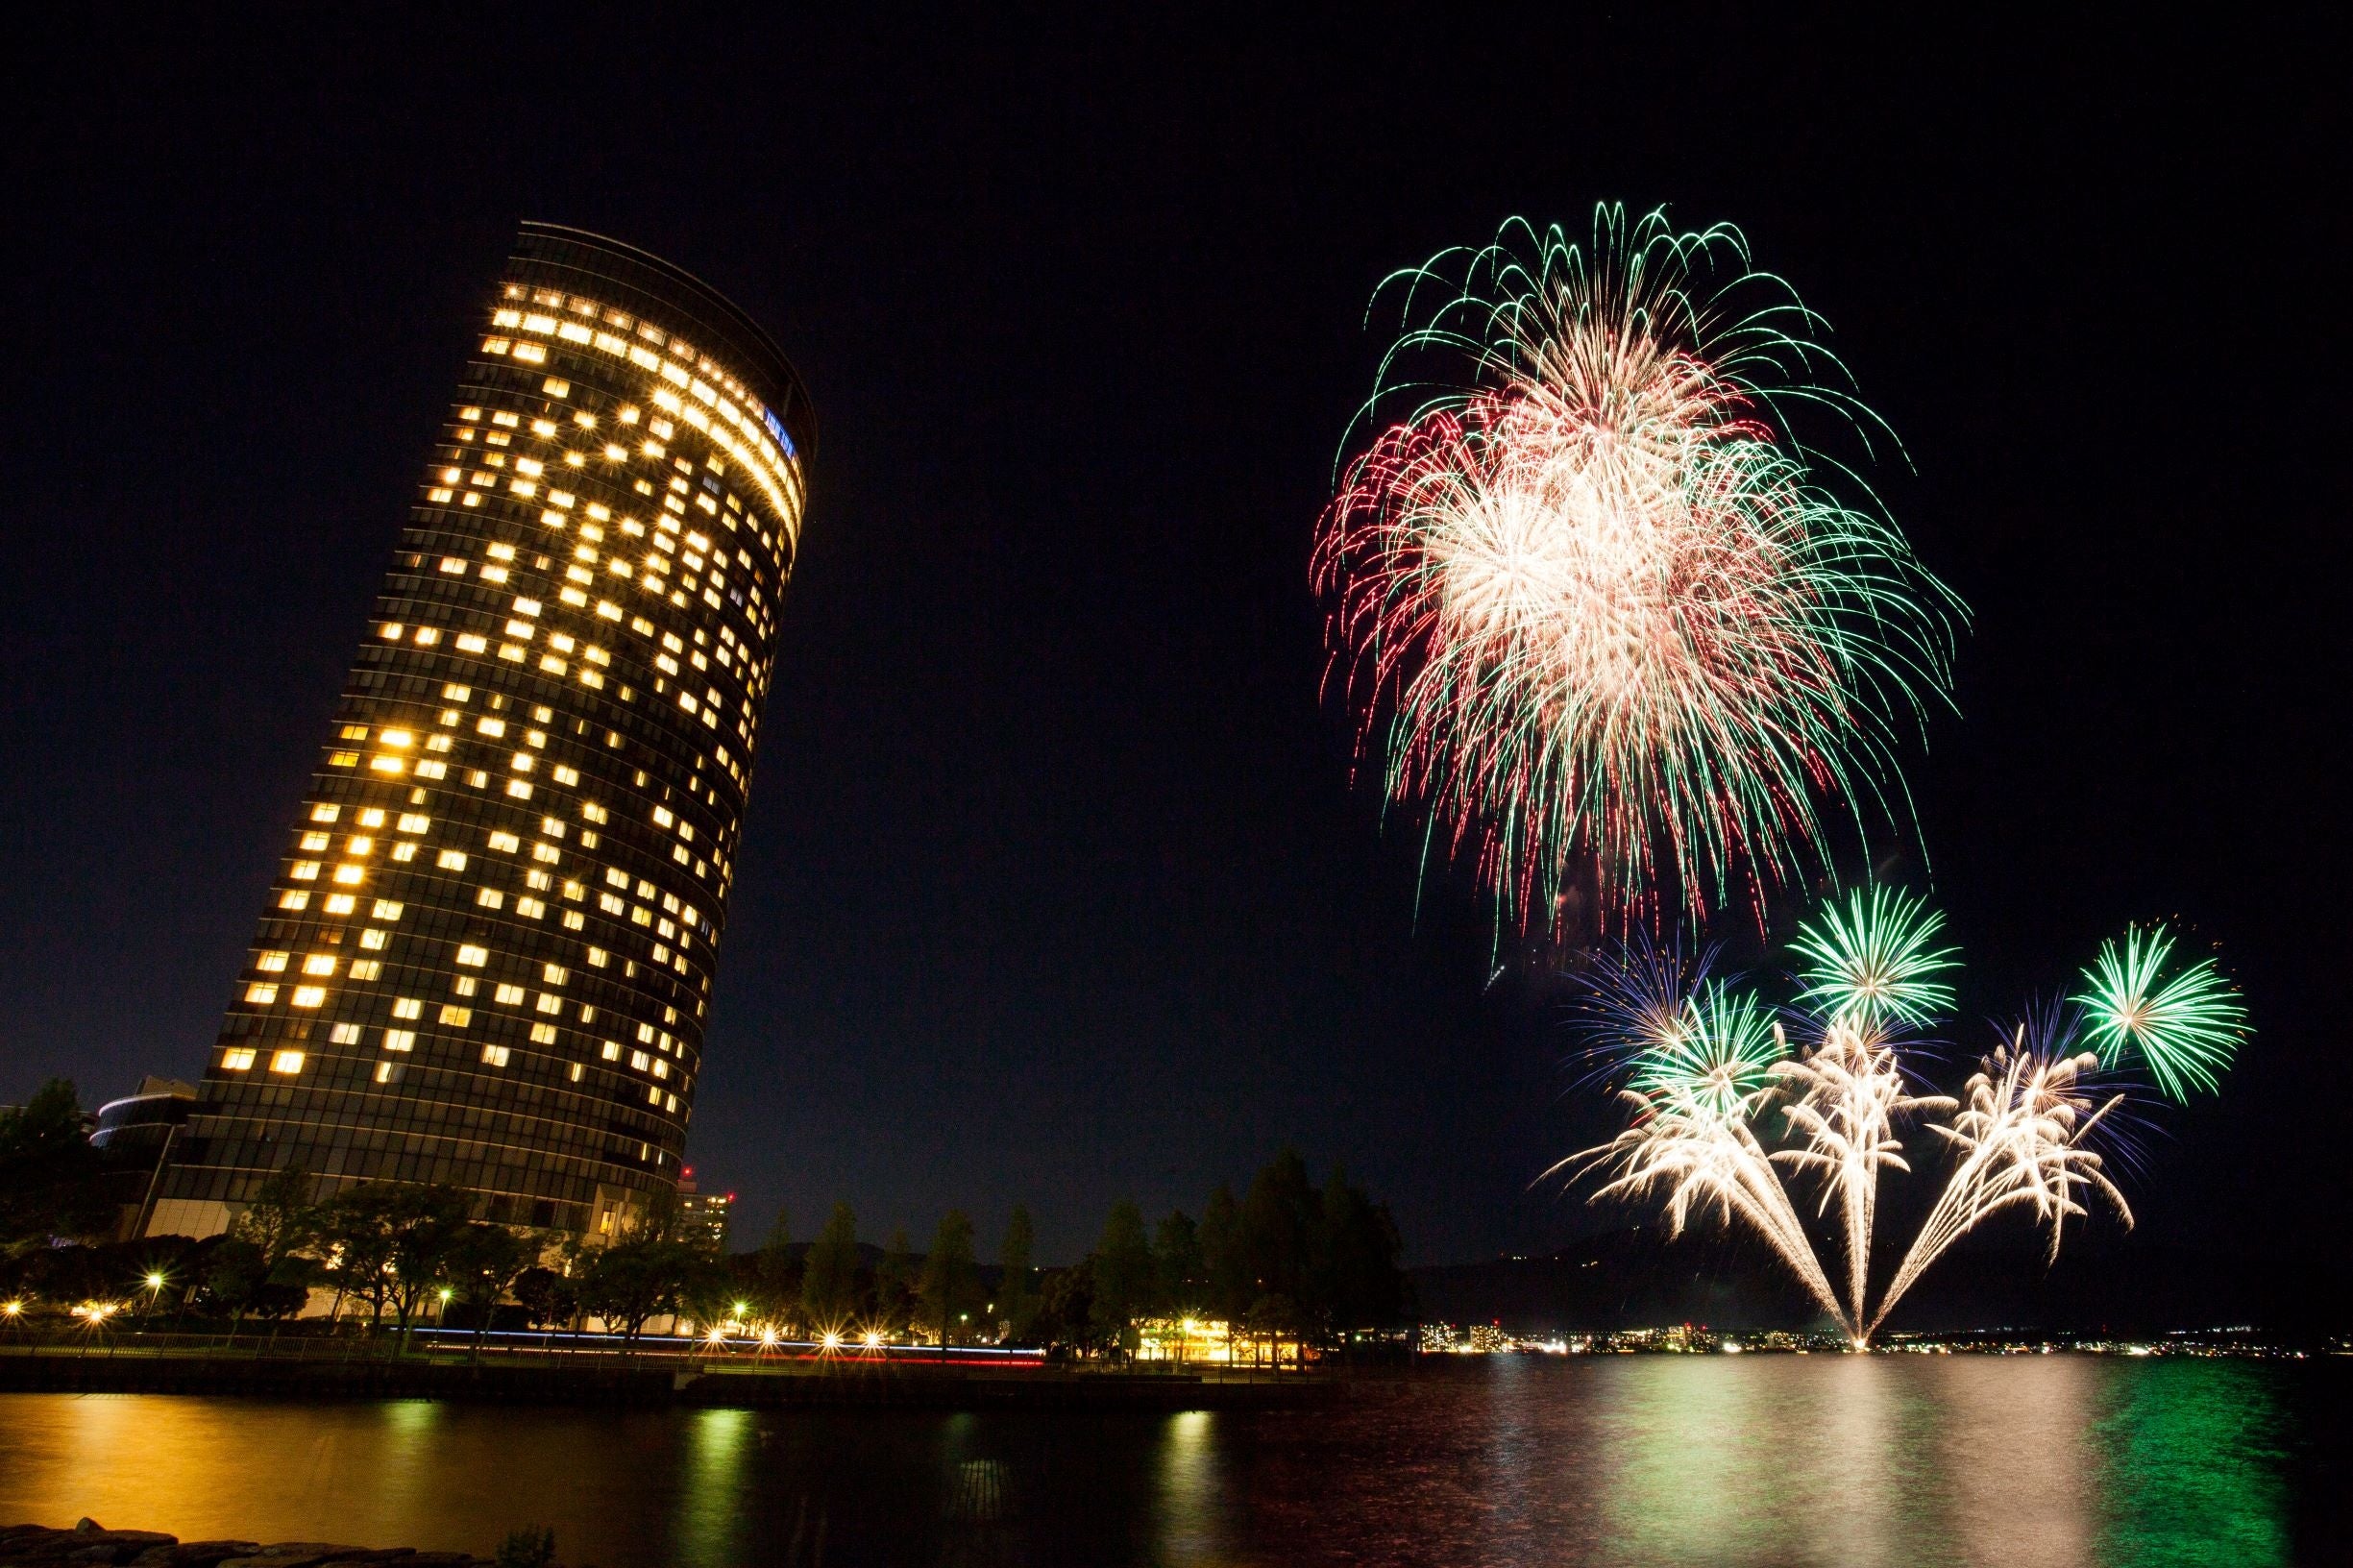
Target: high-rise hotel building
x,y
487,956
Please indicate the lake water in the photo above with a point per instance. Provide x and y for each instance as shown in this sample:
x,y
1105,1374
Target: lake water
x,y
1650,1460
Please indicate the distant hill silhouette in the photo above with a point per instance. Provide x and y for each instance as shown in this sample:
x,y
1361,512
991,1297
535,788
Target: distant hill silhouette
x,y
1637,1278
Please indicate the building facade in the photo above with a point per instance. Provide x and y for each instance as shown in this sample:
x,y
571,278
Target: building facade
x,y
487,956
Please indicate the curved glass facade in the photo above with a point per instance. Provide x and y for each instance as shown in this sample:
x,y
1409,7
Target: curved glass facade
x,y
487,956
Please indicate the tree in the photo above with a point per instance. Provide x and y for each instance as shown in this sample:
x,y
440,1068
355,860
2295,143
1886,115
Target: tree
x,y
638,1279
1018,1287
49,1185
1123,1274
829,1280
1226,1271
394,1239
485,1262
951,1285
895,1286
1279,1232
546,1296
1176,1264
1067,1319
776,1278
1362,1284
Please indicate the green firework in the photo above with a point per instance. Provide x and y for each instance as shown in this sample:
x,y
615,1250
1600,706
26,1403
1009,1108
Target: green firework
x,y
1873,963
2186,1026
1719,1051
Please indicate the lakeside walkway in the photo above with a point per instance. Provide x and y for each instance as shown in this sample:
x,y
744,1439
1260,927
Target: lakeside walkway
x,y
667,1372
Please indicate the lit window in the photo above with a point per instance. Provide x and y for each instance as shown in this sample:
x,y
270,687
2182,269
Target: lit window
x,y
271,962
351,875
543,1034
400,1040
505,840
456,1016
404,852
388,909
309,995
612,1050
304,870
288,1063
366,968
315,841
340,903
407,1007
325,813
494,1055
509,996
260,995
387,1072
573,919
472,956
597,958
240,1060
414,822
346,1034
452,860
373,938
640,1061
319,963
555,974
294,898
490,899
518,789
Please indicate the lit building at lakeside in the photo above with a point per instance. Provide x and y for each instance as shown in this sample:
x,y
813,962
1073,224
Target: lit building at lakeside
x,y
702,1216
487,955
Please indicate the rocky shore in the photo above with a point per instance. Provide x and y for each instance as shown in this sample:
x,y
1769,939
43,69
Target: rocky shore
x,y
88,1542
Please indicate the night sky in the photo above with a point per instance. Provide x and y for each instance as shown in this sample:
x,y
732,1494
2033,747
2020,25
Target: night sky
x,y
1056,887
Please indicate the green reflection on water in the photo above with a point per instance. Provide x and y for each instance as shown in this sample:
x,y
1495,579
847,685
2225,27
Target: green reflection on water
x,y
711,1475
2192,1454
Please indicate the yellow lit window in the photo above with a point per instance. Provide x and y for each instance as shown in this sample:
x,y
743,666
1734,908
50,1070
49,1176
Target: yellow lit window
x,y
555,974
351,875
398,740
294,898
383,762
240,1060
340,903
373,938
518,789
345,1034
597,958
309,995
456,1016
543,1034
360,843
452,860
319,963
409,1006
548,1002
388,909
509,996
403,851
612,1050
325,813
490,899
414,822
366,968
567,776
546,853
454,565
288,1063
531,909
304,870
260,995
315,841
271,962
494,1055
474,642
472,956
400,1040
387,1072
505,840
573,919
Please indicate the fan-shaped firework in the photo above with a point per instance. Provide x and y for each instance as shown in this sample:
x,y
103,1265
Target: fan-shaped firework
x,y
1714,1088
2186,1027
1615,629
1871,963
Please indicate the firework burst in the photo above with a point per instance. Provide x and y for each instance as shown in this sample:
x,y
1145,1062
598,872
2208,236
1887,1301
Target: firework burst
x,y
2186,1027
1591,597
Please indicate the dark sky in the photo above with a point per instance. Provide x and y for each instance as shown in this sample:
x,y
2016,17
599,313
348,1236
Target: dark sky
x,y
1056,888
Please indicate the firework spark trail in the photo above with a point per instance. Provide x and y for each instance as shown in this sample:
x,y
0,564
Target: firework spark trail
x,y
2021,1139
1851,1094
1706,1157
1606,616
1871,963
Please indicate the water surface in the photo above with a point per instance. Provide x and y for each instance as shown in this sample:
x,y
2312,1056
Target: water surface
x,y
1614,1461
